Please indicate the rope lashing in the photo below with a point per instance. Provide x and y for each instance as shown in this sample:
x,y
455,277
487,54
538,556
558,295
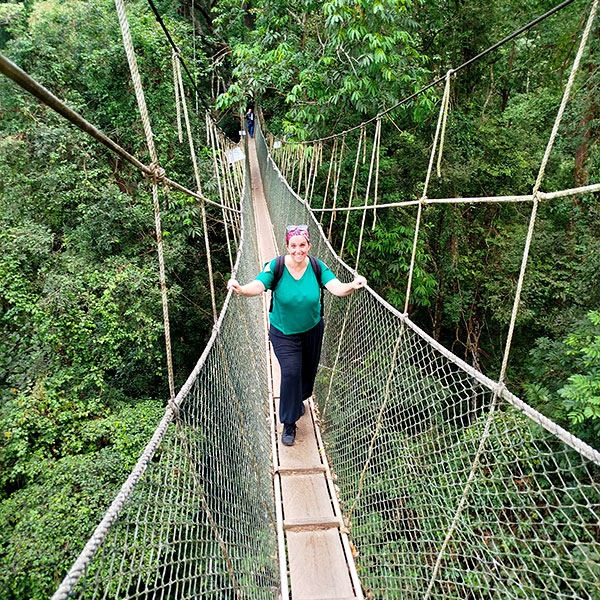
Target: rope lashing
x,y
445,106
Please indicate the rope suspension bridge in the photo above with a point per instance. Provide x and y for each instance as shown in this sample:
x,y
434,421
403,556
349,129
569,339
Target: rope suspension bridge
x,y
439,482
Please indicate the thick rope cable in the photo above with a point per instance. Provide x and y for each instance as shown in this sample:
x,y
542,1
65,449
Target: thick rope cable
x,y
37,90
139,93
199,188
500,385
439,80
587,189
443,109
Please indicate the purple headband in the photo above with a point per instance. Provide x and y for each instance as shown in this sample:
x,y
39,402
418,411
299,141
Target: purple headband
x,y
292,230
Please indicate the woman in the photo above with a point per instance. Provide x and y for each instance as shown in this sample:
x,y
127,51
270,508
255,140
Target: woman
x,y
296,330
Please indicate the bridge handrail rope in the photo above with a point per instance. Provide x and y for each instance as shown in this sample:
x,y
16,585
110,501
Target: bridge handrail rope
x,y
100,533
439,80
497,390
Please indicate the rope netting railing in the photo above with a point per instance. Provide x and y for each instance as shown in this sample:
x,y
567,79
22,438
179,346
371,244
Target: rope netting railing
x,y
451,486
195,519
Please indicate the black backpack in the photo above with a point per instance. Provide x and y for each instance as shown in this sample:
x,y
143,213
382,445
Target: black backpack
x,y
278,272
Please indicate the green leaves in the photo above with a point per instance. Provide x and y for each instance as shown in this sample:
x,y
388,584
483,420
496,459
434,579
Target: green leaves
x,y
324,59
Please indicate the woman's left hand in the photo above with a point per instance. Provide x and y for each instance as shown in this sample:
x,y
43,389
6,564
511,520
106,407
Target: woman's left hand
x,y
359,282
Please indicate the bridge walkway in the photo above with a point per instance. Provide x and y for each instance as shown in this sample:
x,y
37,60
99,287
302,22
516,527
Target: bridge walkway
x,y
319,565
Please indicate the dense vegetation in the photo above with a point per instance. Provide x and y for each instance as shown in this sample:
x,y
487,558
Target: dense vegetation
x,y
81,350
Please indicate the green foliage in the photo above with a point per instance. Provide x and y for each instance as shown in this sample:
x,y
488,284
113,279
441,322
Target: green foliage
x,y
82,359
316,60
582,392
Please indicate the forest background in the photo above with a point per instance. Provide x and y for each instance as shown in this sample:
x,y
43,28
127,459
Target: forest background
x,y
82,368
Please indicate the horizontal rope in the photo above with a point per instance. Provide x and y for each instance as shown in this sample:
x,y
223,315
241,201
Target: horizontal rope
x,y
22,79
588,189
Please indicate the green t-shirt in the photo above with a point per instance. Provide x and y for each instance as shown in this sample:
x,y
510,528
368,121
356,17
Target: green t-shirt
x,y
296,302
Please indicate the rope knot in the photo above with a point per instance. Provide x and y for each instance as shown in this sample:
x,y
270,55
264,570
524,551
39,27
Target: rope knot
x,y
157,172
174,407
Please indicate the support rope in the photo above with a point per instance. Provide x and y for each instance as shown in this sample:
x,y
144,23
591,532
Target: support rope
x,y
443,109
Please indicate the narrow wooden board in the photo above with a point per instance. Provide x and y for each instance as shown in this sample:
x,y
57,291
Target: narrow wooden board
x,y
305,496
318,567
314,523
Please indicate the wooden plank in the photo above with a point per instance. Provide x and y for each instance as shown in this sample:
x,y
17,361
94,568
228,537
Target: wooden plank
x,y
314,470
305,450
304,496
318,567
312,523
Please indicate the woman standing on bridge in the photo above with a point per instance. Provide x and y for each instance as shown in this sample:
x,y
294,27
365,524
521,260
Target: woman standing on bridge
x,y
296,330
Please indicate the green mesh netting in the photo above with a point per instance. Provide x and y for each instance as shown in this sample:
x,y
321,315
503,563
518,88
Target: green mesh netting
x,y
199,523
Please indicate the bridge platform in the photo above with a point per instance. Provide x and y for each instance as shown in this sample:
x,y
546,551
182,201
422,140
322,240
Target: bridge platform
x,y
315,553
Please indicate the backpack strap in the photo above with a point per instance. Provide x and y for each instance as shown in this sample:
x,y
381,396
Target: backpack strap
x,y
277,273
316,265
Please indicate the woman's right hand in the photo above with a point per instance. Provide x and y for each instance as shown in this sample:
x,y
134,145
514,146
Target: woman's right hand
x,y
233,284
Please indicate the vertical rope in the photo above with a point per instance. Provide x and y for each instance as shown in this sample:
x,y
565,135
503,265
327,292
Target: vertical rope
x,y
364,215
222,192
318,163
354,177
336,185
538,182
376,177
202,204
301,171
446,106
443,109
176,67
331,163
158,173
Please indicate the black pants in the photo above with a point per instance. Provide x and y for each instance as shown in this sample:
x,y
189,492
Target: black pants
x,y
298,355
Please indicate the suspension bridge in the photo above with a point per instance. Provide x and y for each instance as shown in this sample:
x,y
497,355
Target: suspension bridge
x,y
414,474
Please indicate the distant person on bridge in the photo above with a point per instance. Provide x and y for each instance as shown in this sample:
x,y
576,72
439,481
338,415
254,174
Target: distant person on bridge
x,y
296,319
250,122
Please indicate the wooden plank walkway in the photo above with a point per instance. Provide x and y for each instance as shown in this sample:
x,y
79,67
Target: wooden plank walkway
x,y
312,535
